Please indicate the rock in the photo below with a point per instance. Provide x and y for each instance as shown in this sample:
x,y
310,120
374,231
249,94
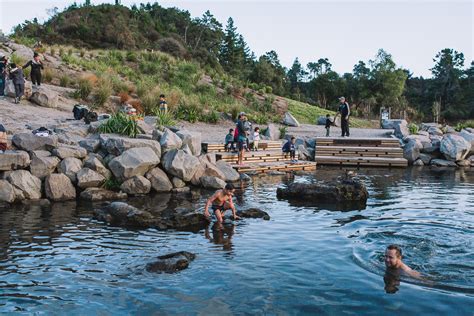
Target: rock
x,y
245,177
463,163
183,219
423,133
418,162
347,191
159,180
469,137
425,158
411,151
432,130
22,51
133,162
254,213
45,97
181,190
455,147
211,170
179,164
303,153
230,174
209,157
87,178
64,152
117,145
144,127
449,129
322,120
171,263
40,153
58,187
442,163
192,140
169,141
400,127
26,183
471,159
156,135
272,132
70,167
14,159
42,167
195,180
144,136
98,194
290,120
93,163
10,89
212,182
31,142
7,192
136,185
123,215
178,183
90,144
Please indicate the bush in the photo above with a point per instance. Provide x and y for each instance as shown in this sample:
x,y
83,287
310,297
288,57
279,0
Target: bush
x,y
120,123
164,118
171,46
82,53
283,130
413,128
211,117
102,92
131,57
70,51
86,84
64,81
61,51
52,51
47,75
124,97
112,184
268,89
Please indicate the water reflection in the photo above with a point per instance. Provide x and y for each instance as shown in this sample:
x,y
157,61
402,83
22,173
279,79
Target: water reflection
x,y
221,235
391,279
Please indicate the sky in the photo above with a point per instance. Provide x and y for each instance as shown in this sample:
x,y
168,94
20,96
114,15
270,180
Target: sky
x,y
344,31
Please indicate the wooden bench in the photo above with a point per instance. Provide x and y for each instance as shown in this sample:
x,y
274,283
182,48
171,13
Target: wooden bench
x,y
262,145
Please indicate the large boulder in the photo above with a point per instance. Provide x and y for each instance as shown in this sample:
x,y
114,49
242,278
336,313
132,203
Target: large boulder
x,y
42,167
192,140
169,141
159,180
290,120
272,132
99,194
123,215
87,178
92,145
400,127
469,137
231,175
411,151
14,159
26,183
433,146
31,142
134,162
179,164
70,167
455,147
171,263
426,158
117,145
136,185
45,97
442,163
434,130
7,192
22,51
10,89
253,213
64,152
471,159
212,182
349,191
303,153
93,163
58,187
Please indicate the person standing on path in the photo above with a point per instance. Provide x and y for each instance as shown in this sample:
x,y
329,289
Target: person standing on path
x,y
243,126
3,76
344,110
36,66
16,75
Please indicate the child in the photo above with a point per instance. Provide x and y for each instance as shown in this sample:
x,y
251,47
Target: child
x,y
256,138
16,75
163,104
328,124
229,140
290,148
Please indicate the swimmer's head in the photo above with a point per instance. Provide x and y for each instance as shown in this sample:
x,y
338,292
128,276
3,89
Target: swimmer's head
x,y
229,189
393,256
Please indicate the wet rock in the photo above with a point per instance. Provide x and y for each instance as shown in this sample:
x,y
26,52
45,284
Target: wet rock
x,y
245,177
455,147
42,167
469,137
28,185
230,174
123,215
178,183
136,185
290,120
7,192
134,162
192,140
159,180
45,97
418,162
70,167
14,159
400,127
99,194
64,152
442,163
212,182
170,141
331,192
181,190
463,163
179,164
117,145
87,178
58,187
183,219
426,158
171,263
254,213
31,142
411,151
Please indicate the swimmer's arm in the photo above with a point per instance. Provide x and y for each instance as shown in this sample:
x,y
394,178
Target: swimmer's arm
x,y
234,212
410,272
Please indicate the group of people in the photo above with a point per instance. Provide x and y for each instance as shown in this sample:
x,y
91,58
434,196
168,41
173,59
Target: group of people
x,y
344,111
15,73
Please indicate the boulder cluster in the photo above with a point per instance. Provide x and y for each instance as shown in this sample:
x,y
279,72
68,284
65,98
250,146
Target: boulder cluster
x,y
435,145
77,162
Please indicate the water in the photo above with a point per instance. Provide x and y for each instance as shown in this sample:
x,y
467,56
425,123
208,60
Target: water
x,y
305,260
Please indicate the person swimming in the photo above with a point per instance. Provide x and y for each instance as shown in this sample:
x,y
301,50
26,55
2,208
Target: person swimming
x,y
395,268
220,202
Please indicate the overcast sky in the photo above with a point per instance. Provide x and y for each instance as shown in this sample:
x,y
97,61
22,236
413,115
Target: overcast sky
x,y
342,31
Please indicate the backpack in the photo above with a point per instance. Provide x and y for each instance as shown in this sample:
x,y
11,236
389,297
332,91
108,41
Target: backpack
x,y
79,111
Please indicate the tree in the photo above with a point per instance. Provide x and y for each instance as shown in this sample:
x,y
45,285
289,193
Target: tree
x,y
296,75
322,66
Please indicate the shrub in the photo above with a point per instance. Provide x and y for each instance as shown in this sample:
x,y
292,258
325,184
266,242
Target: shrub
x,y
124,97
150,100
234,112
86,84
112,184
164,118
61,51
70,51
52,51
171,46
137,105
82,53
64,81
47,75
120,123
283,130
131,56
211,117
413,128
268,89
260,119
102,92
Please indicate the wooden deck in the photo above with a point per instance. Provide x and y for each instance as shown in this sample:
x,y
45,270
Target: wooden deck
x,y
220,147
276,166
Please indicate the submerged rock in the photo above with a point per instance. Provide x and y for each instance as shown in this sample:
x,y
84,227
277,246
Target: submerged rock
x,y
98,194
254,213
171,263
345,191
124,215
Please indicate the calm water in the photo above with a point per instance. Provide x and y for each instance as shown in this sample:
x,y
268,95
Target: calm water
x,y
305,260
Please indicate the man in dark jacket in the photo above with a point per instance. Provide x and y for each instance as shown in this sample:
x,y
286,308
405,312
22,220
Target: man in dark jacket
x,y
16,75
36,66
3,75
344,111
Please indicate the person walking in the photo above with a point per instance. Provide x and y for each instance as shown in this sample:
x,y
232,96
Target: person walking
x,y
344,110
16,75
36,66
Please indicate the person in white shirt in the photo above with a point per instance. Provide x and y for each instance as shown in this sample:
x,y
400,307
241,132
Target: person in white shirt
x,y
256,138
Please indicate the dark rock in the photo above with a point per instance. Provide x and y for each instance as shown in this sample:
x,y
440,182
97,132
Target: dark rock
x,y
123,215
99,194
171,263
254,213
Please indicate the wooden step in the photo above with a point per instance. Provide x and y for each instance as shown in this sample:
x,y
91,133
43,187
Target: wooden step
x,y
357,142
277,166
263,145
362,161
359,151
255,156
